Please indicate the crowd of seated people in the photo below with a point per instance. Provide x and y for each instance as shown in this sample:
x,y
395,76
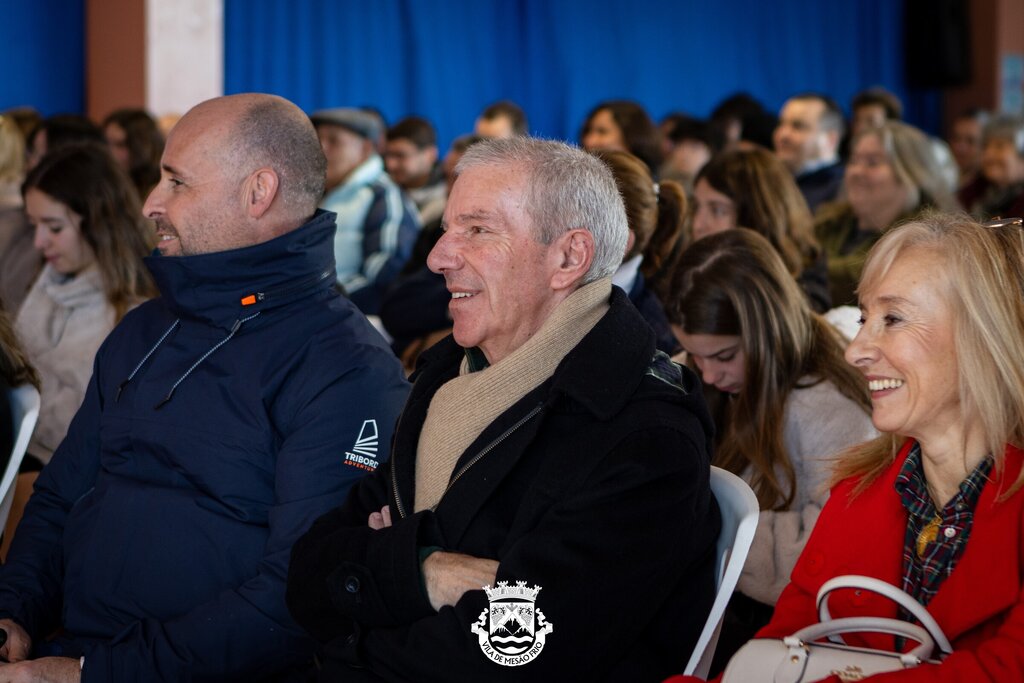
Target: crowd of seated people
x,y
998,187
707,325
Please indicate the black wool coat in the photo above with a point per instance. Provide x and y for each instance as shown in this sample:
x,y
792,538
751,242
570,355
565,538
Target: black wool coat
x,y
594,486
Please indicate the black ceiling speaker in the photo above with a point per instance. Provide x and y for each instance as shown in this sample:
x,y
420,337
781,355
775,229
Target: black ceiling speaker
x,y
937,42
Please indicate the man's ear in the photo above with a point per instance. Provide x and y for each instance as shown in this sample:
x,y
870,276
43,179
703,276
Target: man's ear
x,y
369,148
432,154
260,190
573,253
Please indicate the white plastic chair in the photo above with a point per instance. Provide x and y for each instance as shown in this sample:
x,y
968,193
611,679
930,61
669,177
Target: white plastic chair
x,y
25,408
740,510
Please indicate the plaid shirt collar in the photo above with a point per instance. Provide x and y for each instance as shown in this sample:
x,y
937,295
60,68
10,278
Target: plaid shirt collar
x,y
935,539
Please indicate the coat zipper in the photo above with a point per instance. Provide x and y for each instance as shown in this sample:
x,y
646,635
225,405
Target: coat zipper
x,y
487,450
476,458
394,475
291,289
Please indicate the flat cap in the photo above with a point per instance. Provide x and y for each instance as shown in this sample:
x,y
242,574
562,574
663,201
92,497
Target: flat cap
x,y
356,120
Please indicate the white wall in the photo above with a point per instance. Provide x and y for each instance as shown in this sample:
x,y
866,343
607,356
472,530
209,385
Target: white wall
x,y
184,54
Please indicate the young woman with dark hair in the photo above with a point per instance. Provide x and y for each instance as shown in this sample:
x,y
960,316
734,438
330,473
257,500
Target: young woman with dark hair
x,y
625,126
783,398
751,188
655,213
89,228
136,142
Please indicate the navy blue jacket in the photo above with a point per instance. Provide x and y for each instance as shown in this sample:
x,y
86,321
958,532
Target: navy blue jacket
x,y
212,434
647,302
821,185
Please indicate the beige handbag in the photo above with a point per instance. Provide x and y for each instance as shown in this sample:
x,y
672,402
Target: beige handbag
x,y
798,658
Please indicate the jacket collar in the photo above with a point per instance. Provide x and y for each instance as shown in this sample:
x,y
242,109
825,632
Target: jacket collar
x,y
624,343
222,287
363,174
820,167
612,344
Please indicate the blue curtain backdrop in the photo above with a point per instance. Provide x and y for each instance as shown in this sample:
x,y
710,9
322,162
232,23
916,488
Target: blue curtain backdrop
x,y
447,59
45,44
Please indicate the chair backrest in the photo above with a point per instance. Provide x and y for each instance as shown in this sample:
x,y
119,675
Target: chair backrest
x,y
25,406
740,510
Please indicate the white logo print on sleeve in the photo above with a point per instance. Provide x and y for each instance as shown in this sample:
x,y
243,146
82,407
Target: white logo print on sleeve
x,y
364,453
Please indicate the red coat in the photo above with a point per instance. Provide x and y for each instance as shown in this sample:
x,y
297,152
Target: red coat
x,y
980,607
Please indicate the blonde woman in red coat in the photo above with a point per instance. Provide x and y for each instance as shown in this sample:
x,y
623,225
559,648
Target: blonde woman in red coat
x,y
936,505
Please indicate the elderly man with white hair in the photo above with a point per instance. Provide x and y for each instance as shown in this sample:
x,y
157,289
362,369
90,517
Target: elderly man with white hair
x,y
546,512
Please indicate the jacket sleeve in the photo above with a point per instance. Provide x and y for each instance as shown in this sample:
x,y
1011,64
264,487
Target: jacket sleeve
x,y
246,632
341,554
609,555
30,582
389,233
796,606
813,280
416,305
1000,658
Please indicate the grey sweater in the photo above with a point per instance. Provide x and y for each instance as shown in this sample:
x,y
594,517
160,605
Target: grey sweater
x,y
819,422
60,325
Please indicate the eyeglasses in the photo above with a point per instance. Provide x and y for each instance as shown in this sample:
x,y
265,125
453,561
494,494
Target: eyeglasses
x,y
1004,223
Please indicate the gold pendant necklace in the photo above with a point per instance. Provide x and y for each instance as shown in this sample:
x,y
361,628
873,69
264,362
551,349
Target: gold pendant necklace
x,y
928,534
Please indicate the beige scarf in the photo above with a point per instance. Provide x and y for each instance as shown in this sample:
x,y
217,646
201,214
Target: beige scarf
x,y
465,405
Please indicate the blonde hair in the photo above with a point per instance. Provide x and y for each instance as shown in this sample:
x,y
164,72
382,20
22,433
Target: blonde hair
x,y
985,290
12,150
15,367
915,163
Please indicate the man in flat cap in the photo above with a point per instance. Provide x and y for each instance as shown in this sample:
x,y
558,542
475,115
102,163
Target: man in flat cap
x,y
377,222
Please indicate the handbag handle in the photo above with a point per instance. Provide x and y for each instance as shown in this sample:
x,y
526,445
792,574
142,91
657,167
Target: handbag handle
x,y
895,627
793,666
889,591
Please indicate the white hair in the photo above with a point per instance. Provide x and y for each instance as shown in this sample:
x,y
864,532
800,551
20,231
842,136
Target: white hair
x,y
566,189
